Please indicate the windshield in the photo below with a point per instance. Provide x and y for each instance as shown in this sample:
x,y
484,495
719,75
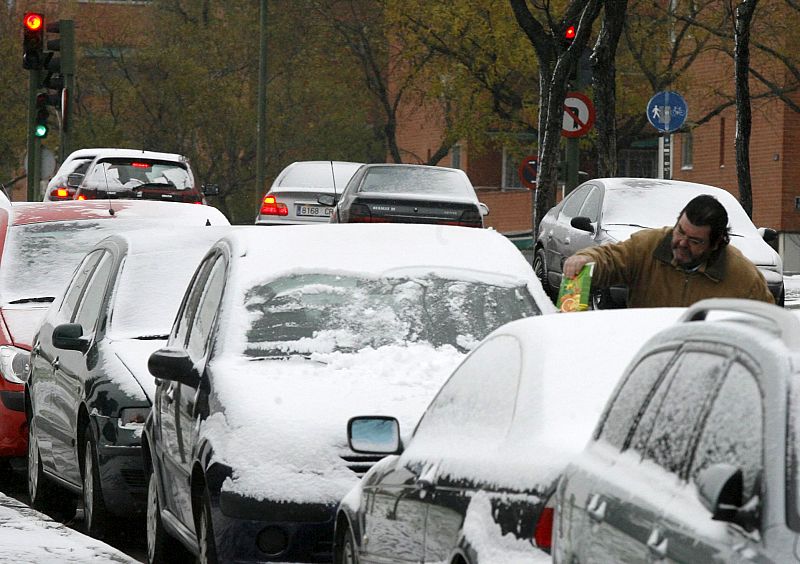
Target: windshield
x,y
120,174
415,180
309,313
318,174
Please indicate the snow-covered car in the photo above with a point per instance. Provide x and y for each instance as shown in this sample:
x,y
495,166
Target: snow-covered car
x,y
41,244
58,188
278,345
608,210
293,197
89,391
695,457
476,481
408,193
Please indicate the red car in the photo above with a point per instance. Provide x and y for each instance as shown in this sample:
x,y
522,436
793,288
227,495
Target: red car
x,y
41,244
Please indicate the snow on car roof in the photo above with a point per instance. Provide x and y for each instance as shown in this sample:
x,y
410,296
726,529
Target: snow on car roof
x,y
127,153
39,212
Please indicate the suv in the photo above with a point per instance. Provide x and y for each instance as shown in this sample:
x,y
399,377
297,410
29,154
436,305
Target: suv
x,y
134,175
696,456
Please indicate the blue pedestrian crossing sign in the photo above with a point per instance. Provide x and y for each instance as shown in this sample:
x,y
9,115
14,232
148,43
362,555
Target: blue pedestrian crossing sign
x,y
667,110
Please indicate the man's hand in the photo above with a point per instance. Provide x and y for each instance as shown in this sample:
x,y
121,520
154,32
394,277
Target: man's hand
x,y
574,264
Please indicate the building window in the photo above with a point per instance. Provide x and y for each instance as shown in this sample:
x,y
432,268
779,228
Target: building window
x,y
511,171
687,151
455,156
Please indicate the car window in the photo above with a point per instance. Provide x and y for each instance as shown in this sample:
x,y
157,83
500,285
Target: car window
x,y
76,286
672,417
591,207
415,180
476,405
181,332
574,201
733,430
633,394
118,173
209,303
94,294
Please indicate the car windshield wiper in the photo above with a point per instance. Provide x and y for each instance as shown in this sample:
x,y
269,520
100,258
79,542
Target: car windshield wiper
x,y
42,299
165,185
151,337
628,225
284,356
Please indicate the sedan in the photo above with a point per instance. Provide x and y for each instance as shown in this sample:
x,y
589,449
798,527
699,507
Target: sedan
x,y
40,247
608,210
475,483
405,193
276,346
292,198
89,390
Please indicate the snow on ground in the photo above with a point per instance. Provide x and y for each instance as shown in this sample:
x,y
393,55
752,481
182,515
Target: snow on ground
x,y
792,288
29,536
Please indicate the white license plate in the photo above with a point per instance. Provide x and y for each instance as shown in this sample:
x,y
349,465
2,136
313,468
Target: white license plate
x,y
313,211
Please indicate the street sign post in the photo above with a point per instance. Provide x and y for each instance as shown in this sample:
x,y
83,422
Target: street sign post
x,y
578,115
528,170
667,112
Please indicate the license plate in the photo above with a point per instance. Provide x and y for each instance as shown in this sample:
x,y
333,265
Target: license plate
x,y
313,211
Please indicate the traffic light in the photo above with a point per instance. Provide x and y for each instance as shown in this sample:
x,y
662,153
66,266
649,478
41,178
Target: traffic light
x,y
569,36
40,126
32,41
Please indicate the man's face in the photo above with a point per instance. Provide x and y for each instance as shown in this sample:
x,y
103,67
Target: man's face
x,y
691,243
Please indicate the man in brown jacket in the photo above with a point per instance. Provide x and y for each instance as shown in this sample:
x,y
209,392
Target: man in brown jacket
x,y
676,266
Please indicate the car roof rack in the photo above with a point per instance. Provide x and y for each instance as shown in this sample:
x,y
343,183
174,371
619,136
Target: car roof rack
x,y
785,323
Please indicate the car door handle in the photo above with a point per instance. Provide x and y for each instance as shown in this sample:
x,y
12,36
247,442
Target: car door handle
x,y
36,349
566,240
596,508
55,364
657,544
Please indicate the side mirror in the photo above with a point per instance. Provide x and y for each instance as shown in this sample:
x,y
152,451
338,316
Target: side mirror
x,y
69,336
374,435
484,209
175,365
768,234
74,180
720,488
210,189
326,200
583,223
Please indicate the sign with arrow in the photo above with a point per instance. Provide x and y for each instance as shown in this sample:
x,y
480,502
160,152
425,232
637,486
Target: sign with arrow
x,y
578,115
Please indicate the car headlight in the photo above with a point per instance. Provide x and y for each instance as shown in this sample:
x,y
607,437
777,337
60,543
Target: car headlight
x,y
14,364
132,418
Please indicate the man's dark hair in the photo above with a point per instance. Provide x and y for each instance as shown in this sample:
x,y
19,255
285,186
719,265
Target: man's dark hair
x,y
706,210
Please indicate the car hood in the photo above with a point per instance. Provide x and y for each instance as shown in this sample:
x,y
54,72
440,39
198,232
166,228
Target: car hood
x,y
134,353
281,425
754,248
23,322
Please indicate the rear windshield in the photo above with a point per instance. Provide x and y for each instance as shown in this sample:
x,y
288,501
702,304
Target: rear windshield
x,y
125,174
412,180
318,175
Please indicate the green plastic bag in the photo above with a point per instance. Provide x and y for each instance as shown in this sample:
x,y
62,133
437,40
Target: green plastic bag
x,y
574,292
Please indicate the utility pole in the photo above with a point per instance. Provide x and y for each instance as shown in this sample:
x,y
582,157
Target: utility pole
x,y
261,131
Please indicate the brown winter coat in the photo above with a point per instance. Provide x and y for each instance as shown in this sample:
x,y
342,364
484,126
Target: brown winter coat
x,y
644,263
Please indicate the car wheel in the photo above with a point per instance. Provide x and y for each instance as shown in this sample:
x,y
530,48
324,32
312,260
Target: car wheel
x,y
94,507
205,533
161,547
347,549
45,496
540,269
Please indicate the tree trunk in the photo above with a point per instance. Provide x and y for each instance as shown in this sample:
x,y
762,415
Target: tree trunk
x,y
741,56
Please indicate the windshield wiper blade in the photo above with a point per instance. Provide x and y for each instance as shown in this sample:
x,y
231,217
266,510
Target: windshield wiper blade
x,y
165,185
42,299
151,337
284,356
627,225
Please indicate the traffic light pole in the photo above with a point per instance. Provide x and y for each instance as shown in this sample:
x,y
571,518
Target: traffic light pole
x,y
261,130
67,32
34,143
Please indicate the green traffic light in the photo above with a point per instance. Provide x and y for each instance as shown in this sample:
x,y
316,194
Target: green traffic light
x,y
40,131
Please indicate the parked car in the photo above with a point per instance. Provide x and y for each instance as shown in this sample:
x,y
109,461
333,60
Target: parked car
x,y
40,247
475,483
293,197
276,346
140,175
89,391
406,193
78,161
608,210
695,457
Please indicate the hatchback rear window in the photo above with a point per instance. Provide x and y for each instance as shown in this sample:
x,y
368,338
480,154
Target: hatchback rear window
x,y
125,174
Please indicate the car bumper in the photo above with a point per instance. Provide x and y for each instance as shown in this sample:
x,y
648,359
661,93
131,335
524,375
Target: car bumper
x,y
121,469
774,283
13,423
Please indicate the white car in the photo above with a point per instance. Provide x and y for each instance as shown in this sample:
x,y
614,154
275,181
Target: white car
x,y
608,210
78,161
292,198
278,345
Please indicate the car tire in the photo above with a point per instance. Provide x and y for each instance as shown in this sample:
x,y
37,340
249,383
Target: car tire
x,y
205,533
44,495
346,552
540,269
94,507
161,547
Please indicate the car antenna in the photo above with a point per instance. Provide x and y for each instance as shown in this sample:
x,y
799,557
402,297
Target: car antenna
x,y
333,176
105,177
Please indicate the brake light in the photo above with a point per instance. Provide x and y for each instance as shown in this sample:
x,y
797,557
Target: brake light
x,y
471,218
61,194
360,213
543,534
271,206
140,165
81,197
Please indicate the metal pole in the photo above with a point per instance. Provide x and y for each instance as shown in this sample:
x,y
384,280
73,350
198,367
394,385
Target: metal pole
x,y
573,162
261,132
33,86
67,31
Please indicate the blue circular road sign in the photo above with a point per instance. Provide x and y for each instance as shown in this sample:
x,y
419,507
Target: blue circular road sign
x,y
667,110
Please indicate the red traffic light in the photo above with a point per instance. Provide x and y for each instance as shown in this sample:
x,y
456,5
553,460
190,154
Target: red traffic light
x,y
569,33
33,21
